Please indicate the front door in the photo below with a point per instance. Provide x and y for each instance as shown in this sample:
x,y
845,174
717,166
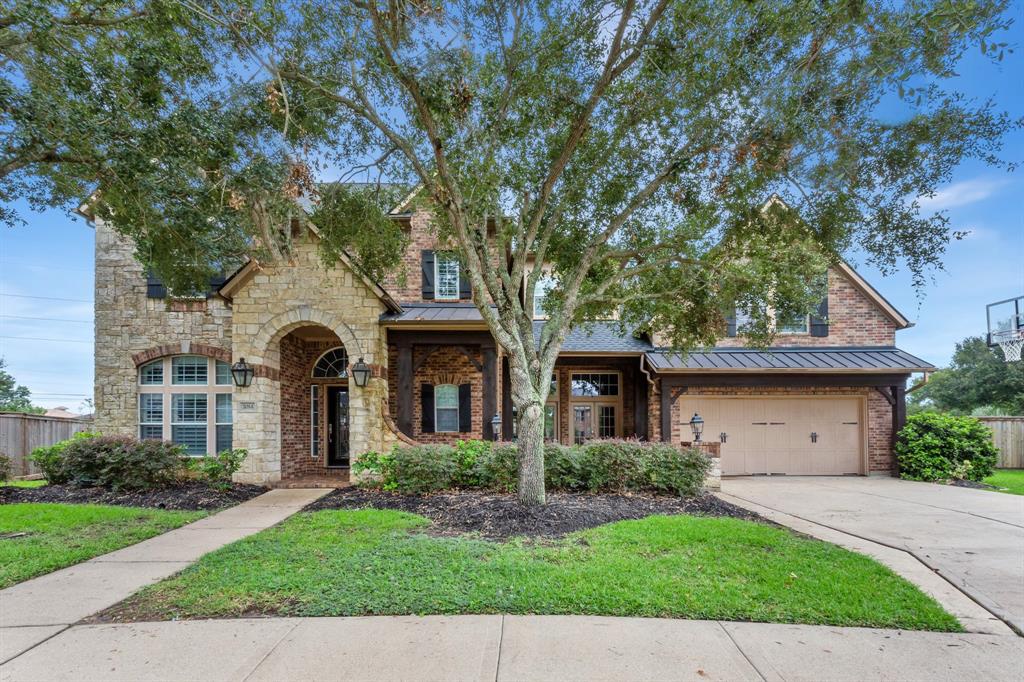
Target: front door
x,y
337,426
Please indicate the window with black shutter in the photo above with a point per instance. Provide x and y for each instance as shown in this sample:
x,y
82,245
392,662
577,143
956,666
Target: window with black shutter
x,y
427,408
465,408
427,267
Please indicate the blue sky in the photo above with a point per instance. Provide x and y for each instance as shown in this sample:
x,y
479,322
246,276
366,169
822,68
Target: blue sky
x,y
46,267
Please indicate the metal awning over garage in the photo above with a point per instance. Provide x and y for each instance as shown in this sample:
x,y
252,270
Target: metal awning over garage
x,y
882,359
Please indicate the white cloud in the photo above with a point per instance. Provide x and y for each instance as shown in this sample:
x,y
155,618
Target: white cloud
x,y
962,193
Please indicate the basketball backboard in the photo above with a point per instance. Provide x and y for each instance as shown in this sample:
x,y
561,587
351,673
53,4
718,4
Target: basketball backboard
x,y
1006,325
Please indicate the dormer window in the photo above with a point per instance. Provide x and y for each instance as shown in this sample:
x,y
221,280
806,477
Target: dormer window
x,y
446,277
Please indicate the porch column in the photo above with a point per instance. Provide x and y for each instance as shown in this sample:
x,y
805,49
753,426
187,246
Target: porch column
x,y
899,418
666,410
404,388
506,401
490,389
640,404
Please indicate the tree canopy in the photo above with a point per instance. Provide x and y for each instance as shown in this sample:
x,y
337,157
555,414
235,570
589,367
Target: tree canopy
x,y
978,379
13,396
630,146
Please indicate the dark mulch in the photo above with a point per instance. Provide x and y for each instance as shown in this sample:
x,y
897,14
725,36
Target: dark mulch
x,y
189,496
973,484
497,516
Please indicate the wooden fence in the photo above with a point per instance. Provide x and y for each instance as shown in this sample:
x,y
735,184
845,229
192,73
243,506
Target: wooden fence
x,y
20,434
1008,434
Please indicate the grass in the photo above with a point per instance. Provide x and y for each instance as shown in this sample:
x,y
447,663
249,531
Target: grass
x,y
60,535
346,563
37,483
1008,481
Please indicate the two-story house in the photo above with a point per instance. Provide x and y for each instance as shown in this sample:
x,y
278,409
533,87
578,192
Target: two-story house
x,y
827,399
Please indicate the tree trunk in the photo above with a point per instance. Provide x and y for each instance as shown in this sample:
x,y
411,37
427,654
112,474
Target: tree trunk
x,y
529,435
530,441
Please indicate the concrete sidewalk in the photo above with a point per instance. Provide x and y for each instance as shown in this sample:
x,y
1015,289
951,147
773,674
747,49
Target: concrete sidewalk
x,y
509,648
32,611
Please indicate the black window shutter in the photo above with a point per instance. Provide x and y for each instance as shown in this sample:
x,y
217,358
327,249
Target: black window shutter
x,y
465,408
427,405
154,287
427,260
465,286
819,320
730,323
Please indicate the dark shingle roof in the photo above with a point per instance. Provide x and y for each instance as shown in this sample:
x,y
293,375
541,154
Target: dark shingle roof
x,y
824,359
598,337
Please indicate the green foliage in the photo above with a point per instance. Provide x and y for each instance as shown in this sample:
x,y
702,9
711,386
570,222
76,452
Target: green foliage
x,y
13,396
60,535
978,380
5,467
937,447
597,466
218,469
50,458
373,562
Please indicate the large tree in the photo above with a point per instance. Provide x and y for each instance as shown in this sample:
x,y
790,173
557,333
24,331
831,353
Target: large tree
x,y
13,396
979,377
630,146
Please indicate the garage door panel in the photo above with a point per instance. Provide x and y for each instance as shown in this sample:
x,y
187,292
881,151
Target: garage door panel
x,y
774,435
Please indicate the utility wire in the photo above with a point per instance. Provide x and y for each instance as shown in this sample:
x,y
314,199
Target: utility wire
x,y
45,319
37,338
48,298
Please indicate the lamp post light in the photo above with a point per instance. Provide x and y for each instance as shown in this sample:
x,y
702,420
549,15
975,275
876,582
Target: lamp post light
x,y
360,373
242,372
496,426
697,426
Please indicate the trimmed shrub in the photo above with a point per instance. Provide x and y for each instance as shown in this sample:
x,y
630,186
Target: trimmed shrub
x,y
218,469
938,447
49,458
123,463
5,467
597,466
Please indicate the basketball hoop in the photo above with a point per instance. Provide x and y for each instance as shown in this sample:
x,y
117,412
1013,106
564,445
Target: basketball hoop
x,y
1011,342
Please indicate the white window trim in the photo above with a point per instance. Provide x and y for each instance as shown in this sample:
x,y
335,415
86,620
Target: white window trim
x,y
217,423
167,388
438,257
437,422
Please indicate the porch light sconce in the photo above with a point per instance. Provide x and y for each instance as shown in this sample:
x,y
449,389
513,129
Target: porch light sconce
x,y
697,426
496,426
360,373
242,372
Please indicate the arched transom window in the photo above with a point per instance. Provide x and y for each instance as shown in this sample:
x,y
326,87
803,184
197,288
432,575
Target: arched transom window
x,y
332,365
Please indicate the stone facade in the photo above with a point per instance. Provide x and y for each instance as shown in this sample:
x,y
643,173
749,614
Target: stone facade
x,y
132,329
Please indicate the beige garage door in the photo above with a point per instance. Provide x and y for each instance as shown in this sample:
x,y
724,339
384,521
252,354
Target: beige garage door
x,y
793,435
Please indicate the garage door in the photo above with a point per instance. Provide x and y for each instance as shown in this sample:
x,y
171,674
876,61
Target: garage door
x,y
817,435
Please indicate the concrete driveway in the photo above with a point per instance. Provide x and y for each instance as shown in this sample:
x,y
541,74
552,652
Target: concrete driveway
x,y
973,538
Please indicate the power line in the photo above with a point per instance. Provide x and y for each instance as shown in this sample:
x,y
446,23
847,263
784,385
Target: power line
x,y
45,319
63,395
48,298
37,338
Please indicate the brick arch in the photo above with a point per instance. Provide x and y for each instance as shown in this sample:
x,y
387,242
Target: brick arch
x,y
182,348
272,331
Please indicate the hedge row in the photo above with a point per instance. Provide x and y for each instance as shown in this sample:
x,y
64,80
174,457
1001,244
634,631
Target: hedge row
x,y
124,463
941,447
597,466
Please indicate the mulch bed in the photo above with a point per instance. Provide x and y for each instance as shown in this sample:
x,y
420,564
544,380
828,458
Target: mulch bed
x,y
977,485
498,517
189,497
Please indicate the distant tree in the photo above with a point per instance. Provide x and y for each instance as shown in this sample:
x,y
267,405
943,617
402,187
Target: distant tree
x,y
977,378
13,396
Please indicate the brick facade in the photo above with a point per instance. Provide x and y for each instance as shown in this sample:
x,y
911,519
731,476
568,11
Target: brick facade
x,y
853,320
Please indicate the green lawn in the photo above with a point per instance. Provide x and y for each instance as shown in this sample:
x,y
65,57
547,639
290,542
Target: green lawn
x,y
347,563
60,535
1008,481
38,483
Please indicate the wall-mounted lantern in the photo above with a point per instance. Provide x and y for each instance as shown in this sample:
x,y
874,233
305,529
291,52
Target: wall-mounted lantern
x,y
242,372
697,426
496,426
360,373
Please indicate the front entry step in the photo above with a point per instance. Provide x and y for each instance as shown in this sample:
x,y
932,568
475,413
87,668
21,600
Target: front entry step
x,y
314,482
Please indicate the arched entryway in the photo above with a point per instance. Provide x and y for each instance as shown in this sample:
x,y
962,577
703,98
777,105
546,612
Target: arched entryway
x,y
315,404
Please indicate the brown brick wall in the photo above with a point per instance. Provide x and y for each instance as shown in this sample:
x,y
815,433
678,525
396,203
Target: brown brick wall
x,y
447,366
854,320
879,416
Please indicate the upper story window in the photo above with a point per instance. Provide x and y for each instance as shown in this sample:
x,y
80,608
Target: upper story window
x,y
446,277
545,284
332,365
793,325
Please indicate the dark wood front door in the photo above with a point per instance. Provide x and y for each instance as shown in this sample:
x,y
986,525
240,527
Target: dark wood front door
x,y
337,426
